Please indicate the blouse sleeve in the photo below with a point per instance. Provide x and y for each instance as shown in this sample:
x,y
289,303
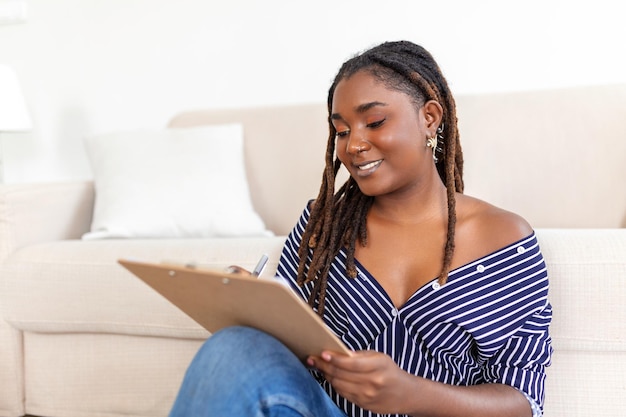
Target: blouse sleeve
x,y
521,362
517,349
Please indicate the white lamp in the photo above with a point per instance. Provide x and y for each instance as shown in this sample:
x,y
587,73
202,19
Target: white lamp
x,y
13,114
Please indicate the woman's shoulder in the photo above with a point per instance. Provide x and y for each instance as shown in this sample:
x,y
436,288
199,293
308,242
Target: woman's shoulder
x,y
487,228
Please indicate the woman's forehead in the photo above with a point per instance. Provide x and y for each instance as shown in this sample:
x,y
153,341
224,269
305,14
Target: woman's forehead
x,y
362,88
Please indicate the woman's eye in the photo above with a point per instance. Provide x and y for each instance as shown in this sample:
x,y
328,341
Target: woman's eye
x,y
342,133
376,124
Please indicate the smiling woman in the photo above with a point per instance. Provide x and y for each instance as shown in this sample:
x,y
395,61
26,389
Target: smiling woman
x,y
377,141
441,297
382,103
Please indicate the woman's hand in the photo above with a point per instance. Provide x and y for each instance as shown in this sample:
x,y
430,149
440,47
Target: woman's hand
x,y
256,272
369,379
236,269
374,382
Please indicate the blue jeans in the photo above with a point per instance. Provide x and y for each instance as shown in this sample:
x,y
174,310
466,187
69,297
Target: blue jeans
x,y
241,371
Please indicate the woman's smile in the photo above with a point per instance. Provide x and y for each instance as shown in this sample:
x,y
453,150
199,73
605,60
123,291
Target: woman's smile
x,y
367,168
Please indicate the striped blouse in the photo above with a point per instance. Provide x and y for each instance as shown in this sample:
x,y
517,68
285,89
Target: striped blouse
x,y
487,324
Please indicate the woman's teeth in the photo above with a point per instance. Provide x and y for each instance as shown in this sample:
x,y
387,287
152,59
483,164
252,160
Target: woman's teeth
x,y
370,165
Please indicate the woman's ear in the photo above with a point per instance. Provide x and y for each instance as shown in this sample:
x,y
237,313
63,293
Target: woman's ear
x,y
433,114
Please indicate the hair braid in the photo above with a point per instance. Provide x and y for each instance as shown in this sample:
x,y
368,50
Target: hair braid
x,y
338,220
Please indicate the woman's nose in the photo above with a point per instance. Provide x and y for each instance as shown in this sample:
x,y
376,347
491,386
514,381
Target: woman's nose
x,y
356,145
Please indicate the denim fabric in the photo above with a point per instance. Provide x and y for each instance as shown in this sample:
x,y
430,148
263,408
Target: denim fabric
x,y
536,408
240,371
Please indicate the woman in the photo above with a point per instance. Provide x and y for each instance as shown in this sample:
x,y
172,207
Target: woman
x,y
442,297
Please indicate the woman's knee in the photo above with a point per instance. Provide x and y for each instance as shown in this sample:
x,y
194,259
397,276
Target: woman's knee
x,y
231,337
238,340
238,345
245,368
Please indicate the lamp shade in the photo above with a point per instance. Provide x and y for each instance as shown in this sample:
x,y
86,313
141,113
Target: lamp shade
x,y
13,113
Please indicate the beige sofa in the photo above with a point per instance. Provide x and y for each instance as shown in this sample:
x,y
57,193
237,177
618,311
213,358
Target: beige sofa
x,y
80,336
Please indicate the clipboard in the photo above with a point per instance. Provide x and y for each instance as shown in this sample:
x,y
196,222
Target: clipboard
x,y
216,299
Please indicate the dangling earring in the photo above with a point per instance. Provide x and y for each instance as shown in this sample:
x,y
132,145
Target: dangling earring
x,y
434,142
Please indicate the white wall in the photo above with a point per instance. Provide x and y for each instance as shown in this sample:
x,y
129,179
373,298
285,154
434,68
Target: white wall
x,y
95,66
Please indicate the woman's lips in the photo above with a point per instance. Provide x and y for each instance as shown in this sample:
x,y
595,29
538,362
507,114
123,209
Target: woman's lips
x,y
367,168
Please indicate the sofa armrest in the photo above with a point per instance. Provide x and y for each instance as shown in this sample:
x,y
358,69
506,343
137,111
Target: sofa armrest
x,y
34,213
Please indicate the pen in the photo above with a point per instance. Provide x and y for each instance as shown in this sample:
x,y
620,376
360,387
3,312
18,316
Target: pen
x,y
260,266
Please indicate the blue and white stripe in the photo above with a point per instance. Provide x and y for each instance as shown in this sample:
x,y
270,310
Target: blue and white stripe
x,y
487,324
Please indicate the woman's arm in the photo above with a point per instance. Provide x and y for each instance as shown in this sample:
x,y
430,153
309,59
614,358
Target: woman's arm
x,y
373,381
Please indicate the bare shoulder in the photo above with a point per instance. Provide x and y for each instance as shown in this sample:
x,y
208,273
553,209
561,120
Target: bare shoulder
x,y
486,228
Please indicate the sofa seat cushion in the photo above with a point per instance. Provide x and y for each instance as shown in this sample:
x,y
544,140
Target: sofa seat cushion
x,y
586,269
77,286
587,286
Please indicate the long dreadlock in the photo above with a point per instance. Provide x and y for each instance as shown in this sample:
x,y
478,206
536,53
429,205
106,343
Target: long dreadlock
x,y
338,220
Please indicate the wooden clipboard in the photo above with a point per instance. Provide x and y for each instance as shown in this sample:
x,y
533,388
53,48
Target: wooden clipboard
x,y
217,299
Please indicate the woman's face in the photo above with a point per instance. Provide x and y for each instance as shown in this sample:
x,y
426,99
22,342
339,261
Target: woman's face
x,y
381,136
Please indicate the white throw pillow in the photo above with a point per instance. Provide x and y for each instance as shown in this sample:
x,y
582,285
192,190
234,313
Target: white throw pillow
x,y
184,182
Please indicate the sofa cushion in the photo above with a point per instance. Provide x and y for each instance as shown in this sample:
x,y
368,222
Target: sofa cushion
x,y
586,268
78,286
171,183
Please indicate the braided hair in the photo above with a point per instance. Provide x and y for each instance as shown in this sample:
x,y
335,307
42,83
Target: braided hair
x,y
338,220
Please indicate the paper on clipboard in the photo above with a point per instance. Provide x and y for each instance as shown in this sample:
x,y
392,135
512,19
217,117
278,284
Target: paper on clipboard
x,y
216,299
